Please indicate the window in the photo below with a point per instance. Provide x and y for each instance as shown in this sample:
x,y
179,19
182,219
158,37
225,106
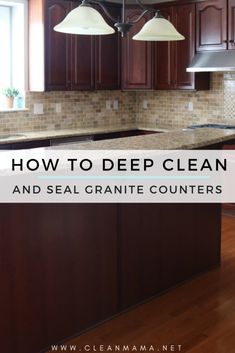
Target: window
x,y
13,25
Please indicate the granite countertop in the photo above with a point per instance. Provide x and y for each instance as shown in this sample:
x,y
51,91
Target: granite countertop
x,y
177,139
52,134
172,138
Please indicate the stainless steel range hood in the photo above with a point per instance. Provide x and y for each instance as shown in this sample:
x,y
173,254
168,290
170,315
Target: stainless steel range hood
x,y
213,61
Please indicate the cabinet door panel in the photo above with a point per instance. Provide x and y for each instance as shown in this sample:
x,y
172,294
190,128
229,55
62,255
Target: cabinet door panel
x,y
184,49
107,52
82,61
231,24
82,69
136,56
164,58
57,47
58,271
140,260
211,25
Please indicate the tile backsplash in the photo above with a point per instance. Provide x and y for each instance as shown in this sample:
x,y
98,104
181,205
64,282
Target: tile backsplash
x,y
91,109
78,109
182,108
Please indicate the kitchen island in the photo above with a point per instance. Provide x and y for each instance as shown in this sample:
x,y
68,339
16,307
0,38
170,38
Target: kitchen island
x,y
67,267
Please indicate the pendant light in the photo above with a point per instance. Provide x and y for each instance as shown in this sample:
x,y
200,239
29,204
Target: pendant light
x,y
158,29
86,20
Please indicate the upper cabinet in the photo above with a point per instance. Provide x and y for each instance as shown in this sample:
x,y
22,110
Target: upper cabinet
x,y
184,19
172,58
136,56
211,25
164,75
108,54
60,61
57,47
231,24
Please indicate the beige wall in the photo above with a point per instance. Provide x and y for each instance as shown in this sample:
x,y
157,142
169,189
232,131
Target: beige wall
x,y
85,109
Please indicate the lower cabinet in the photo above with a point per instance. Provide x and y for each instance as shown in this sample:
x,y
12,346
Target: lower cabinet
x,y
229,207
25,145
162,245
140,246
67,267
58,272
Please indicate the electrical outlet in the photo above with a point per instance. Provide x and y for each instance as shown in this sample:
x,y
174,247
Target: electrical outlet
x,y
108,105
38,108
115,104
145,104
58,108
190,106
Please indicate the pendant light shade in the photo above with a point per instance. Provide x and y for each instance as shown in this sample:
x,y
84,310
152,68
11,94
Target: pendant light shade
x,y
158,29
84,20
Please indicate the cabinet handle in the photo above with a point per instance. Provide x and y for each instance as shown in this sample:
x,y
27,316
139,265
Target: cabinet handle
x,y
232,41
225,41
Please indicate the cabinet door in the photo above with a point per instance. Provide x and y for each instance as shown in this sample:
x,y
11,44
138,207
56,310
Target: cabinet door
x,y
58,272
57,47
140,259
231,24
164,58
83,64
184,49
82,61
107,63
211,25
136,56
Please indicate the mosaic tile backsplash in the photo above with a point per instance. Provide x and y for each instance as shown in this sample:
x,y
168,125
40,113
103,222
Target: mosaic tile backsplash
x,y
173,107
93,109
78,109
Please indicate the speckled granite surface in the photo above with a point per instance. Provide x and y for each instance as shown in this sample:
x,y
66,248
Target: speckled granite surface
x,y
177,139
41,135
172,138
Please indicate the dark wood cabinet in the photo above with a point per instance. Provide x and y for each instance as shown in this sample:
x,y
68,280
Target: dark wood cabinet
x,y
25,145
211,25
108,54
137,70
184,49
70,62
58,274
231,24
121,134
172,58
96,59
187,254
164,70
160,247
215,23
83,63
66,267
57,47
140,246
